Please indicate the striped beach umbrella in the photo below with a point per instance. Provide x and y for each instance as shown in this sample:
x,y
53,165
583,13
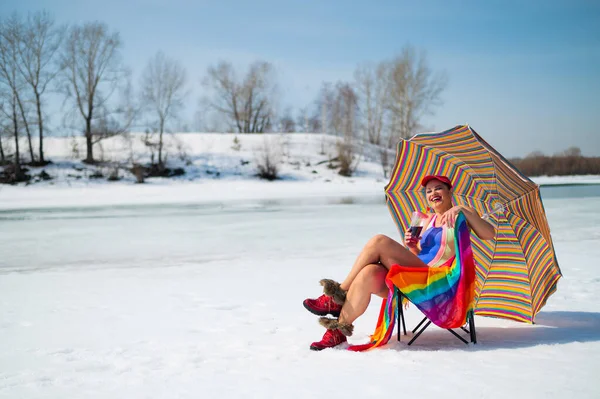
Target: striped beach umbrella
x,y
516,271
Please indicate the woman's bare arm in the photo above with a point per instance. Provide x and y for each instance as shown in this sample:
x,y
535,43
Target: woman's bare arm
x,y
481,227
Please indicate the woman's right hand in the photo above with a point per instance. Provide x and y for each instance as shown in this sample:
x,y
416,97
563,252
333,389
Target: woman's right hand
x,y
410,241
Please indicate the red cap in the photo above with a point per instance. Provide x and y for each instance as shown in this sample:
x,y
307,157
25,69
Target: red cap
x,y
443,179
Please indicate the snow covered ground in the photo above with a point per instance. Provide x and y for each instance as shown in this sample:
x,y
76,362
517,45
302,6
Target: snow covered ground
x,y
204,300
192,287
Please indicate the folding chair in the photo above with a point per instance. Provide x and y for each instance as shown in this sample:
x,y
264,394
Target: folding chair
x,y
422,326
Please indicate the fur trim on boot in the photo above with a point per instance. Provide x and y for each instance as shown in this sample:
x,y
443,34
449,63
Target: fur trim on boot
x,y
332,288
334,324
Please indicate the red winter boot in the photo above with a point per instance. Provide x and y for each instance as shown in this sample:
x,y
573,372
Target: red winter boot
x,y
336,334
330,303
330,339
322,306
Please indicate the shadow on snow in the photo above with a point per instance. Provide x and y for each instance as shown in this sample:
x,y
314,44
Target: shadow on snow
x,y
551,328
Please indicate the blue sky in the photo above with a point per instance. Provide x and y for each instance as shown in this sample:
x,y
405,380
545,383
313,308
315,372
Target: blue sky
x,y
524,74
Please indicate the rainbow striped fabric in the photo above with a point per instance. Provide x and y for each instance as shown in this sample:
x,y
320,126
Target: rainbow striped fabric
x,y
445,294
517,271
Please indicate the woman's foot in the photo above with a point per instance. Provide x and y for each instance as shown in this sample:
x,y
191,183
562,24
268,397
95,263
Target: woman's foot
x,y
335,335
330,339
322,306
330,303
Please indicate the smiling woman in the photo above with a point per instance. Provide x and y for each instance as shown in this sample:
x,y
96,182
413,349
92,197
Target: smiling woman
x,y
348,300
438,190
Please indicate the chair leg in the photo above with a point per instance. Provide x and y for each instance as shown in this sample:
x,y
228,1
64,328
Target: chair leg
x,y
472,327
401,322
399,317
420,332
470,331
470,317
402,314
458,336
419,325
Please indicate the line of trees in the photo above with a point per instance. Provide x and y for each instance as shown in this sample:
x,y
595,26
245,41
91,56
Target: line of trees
x,y
565,163
83,64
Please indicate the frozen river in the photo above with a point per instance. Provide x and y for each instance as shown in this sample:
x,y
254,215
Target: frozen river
x,y
197,234
205,300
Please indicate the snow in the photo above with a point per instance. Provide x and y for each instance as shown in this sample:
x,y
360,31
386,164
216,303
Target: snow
x,y
204,300
210,156
193,286
178,192
566,180
215,171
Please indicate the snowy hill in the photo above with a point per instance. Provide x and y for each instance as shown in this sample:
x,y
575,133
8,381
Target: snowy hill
x,y
216,168
301,157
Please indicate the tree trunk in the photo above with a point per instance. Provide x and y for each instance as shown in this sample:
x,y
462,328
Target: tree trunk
x,y
16,131
2,158
30,146
26,129
160,142
88,141
40,125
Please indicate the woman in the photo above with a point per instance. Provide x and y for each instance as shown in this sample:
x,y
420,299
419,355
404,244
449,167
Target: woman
x,y
348,300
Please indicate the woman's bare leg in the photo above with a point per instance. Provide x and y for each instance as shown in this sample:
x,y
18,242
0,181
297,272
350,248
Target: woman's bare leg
x,y
370,280
384,251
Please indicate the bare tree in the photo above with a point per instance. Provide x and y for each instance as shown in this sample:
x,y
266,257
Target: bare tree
x,y
324,106
414,90
302,120
314,124
115,120
4,127
287,124
346,107
12,33
373,93
247,105
92,71
24,114
339,105
40,41
571,152
2,156
393,97
322,115
10,82
308,122
163,92
268,157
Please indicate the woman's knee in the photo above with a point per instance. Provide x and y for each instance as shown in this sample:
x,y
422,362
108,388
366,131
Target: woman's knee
x,y
372,276
379,240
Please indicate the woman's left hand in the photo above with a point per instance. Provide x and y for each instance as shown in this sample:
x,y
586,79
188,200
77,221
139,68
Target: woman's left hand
x,y
449,217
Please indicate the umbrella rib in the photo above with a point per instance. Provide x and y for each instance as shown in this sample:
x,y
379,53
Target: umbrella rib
x,y
462,164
